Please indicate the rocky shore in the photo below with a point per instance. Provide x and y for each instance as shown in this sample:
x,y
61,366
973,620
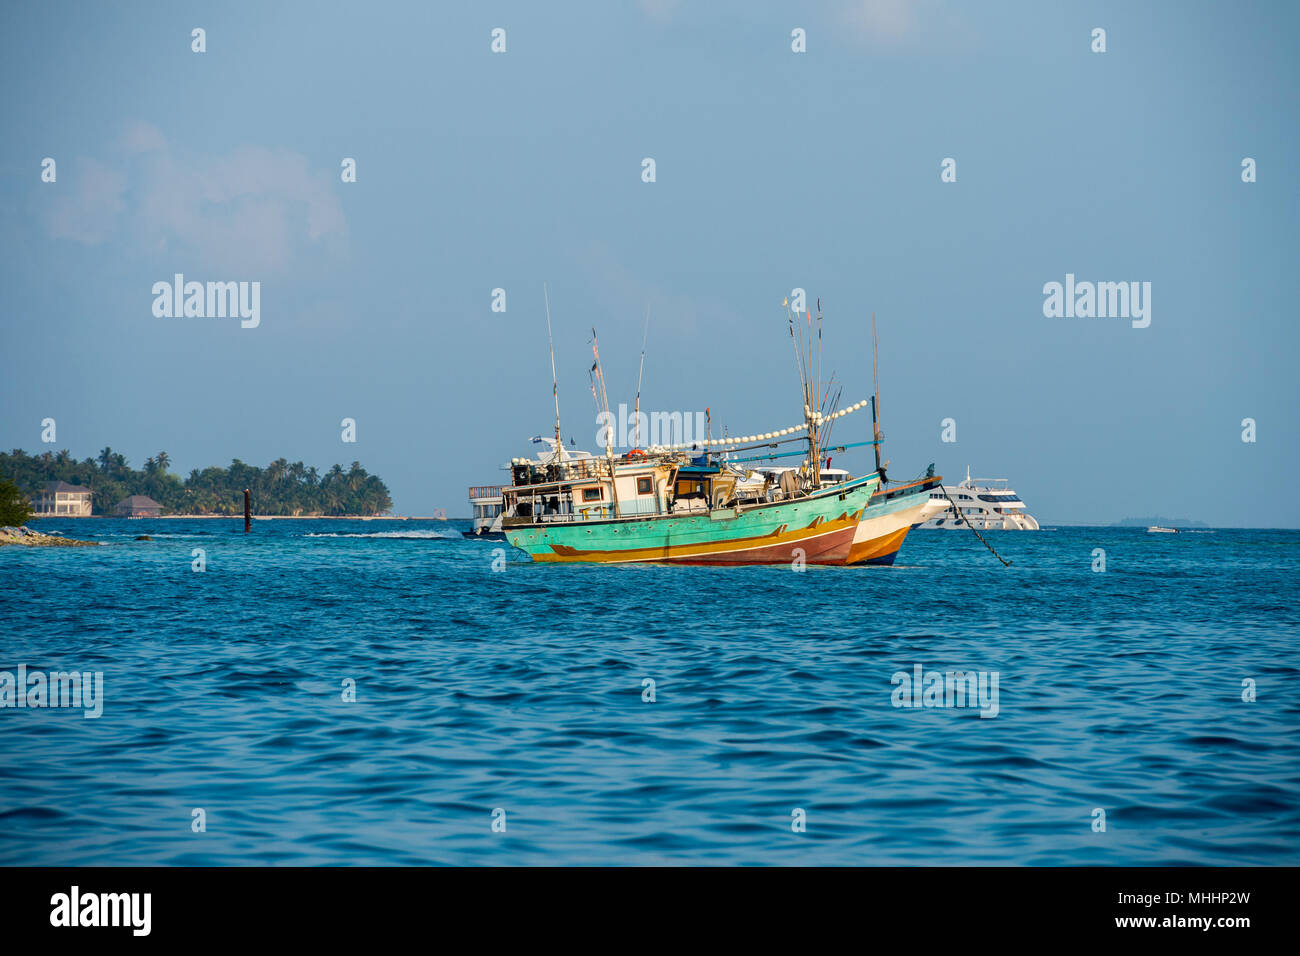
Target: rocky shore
x,y
35,539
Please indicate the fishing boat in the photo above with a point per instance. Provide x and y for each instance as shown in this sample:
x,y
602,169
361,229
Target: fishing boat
x,y
891,513
894,509
700,503
1156,529
671,507
486,500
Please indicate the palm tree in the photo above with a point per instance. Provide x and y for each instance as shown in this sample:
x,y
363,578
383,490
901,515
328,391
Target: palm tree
x,y
105,458
162,460
276,470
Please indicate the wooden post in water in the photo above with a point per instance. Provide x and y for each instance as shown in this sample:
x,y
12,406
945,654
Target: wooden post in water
x,y
248,511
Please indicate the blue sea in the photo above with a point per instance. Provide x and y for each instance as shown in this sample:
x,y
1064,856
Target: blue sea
x,y
503,716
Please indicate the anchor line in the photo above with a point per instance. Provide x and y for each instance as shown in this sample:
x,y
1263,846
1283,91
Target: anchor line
x,y
966,521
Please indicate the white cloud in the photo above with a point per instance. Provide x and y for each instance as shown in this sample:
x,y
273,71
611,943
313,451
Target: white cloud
x,y
142,137
661,11
254,209
89,202
885,19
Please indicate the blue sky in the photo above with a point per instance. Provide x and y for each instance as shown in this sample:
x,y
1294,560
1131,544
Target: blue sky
x,y
774,170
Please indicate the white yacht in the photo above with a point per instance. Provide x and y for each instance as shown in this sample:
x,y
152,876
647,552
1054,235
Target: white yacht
x,y
986,503
486,500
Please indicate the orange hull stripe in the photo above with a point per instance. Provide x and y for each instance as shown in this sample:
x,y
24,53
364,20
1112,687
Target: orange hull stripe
x,y
878,547
567,553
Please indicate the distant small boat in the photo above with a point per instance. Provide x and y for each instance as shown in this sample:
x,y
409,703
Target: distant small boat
x,y
1156,529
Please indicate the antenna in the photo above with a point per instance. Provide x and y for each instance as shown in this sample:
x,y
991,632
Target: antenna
x,y
636,411
555,383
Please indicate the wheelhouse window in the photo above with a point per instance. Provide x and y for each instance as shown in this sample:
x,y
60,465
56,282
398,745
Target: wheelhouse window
x,y
644,486
591,494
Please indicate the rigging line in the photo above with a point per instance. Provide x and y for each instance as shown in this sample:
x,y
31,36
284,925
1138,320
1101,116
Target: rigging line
x,y
830,419
829,382
963,519
795,454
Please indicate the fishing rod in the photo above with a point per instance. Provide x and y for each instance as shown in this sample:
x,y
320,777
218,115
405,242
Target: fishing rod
x,y
797,343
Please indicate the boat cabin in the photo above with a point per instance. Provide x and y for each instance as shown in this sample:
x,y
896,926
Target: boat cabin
x,y
584,491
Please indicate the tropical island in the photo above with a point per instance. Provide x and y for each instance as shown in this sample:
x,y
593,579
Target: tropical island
x,y
280,489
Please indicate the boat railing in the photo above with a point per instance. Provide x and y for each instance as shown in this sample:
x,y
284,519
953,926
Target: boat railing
x,y
600,512
486,491
580,470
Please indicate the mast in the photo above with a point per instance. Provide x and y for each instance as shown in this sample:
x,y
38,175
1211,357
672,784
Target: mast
x,y
636,411
803,364
819,344
555,384
604,400
817,473
875,398
814,453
